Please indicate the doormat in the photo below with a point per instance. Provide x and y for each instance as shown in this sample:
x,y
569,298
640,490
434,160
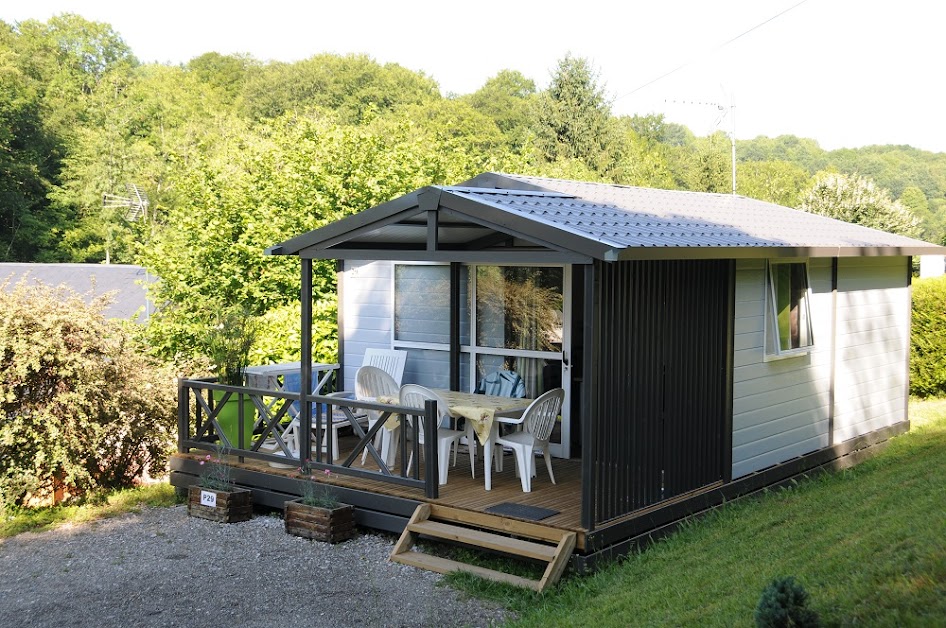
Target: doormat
x,y
532,513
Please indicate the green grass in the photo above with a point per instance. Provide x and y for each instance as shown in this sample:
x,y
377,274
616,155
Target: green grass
x,y
118,503
868,543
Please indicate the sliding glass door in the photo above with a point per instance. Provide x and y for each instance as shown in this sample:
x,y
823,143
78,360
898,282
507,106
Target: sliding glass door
x,y
520,326
514,330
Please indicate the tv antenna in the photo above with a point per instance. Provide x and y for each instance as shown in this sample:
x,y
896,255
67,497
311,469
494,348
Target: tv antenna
x,y
136,202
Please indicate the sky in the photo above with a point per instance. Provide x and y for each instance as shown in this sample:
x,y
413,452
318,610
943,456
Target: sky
x,y
846,73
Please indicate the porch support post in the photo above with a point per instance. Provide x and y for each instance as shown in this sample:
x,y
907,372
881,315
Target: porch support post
x,y
454,326
589,396
305,416
832,381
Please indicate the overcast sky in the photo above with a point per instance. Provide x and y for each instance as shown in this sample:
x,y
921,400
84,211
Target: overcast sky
x,y
846,73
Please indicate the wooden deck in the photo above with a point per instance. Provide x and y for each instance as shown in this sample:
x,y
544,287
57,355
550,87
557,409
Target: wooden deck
x,y
465,492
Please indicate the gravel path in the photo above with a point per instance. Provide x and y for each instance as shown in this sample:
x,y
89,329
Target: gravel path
x,y
163,568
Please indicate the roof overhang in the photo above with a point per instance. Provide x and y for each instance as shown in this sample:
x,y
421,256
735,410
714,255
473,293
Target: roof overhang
x,y
512,219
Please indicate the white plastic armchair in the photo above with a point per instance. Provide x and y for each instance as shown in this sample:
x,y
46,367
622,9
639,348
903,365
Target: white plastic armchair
x,y
414,396
371,383
537,423
391,361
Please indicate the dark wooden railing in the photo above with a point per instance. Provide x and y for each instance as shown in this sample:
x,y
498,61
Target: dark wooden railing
x,y
199,429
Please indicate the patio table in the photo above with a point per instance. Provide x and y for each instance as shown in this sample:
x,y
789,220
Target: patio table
x,y
486,412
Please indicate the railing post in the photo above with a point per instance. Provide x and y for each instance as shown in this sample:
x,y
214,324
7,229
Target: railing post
x,y
305,371
183,407
432,471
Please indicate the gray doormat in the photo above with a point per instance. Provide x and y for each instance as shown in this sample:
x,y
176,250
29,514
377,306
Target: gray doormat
x,y
532,513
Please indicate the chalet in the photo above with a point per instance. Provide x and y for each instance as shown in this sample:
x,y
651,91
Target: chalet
x,y
709,345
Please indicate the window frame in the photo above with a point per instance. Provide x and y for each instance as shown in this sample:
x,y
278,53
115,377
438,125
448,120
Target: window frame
x,y
773,331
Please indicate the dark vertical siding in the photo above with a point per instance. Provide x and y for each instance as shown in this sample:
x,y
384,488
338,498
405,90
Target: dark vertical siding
x,y
661,381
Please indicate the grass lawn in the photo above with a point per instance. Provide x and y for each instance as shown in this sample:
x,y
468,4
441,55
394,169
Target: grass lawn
x,y
868,544
117,503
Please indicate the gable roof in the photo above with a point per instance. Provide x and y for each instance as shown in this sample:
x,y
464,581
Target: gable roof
x,y
504,217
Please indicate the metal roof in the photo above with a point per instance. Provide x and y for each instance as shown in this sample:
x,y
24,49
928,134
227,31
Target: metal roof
x,y
126,283
586,221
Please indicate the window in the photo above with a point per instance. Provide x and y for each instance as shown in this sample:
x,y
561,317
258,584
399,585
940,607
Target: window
x,y
788,324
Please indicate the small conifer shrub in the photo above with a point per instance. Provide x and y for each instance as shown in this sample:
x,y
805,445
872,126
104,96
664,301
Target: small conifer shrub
x,y
784,604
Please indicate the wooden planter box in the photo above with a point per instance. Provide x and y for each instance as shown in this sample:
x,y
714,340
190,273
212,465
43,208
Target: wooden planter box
x,y
322,524
222,506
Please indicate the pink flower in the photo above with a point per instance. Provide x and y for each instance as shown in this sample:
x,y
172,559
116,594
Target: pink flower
x,y
201,463
206,458
327,472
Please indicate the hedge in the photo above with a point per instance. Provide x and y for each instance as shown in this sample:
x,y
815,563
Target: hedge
x,y
928,341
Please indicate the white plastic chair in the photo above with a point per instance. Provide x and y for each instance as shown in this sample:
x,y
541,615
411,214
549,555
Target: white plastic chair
x,y
391,361
371,383
334,422
414,396
537,423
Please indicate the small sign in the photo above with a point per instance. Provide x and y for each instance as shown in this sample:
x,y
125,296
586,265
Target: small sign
x,y
208,498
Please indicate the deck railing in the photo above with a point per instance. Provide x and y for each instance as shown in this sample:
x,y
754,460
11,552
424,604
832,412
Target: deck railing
x,y
200,429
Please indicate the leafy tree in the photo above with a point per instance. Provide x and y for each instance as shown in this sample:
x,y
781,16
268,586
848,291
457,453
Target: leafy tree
x,y
69,56
933,224
137,124
858,200
225,73
802,152
778,182
705,165
644,160
25,167
507,98
351,85
653,129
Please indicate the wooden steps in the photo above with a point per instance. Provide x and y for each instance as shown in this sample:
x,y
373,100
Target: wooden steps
x,y
490,532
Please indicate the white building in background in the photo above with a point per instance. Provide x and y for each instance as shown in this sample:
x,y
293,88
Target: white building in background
x,y
932,265
126,281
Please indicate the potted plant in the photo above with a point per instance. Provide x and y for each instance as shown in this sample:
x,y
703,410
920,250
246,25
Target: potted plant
x,y
318,514
215,496
227,343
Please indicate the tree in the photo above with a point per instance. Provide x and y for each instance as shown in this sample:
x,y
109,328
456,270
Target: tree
x,y
858,200
644,159
350,85
933,224
137,125
574,117
777,182
26,221
225,73
705,165
507,98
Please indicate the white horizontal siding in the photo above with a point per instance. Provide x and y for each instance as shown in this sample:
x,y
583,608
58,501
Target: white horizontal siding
x,y
873,345
368,312
780,407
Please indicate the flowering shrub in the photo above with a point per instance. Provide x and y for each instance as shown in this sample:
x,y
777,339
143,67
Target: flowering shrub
x,y
82,407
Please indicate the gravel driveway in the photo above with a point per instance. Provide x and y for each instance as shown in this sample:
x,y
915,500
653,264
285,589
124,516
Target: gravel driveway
x,y
163,568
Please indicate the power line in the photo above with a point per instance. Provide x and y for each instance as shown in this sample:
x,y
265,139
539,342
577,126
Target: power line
x,y
716,49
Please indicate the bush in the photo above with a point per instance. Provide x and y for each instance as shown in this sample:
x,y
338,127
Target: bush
x,y
784,603
83,407
928,341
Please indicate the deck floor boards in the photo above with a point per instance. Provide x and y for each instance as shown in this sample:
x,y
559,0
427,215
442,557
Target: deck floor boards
x,y
464,491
